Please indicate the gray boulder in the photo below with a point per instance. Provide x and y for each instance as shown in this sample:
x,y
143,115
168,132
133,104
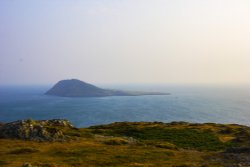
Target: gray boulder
x,y
44,130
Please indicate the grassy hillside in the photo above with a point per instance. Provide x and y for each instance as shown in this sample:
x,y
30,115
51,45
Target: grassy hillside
x,y
176,144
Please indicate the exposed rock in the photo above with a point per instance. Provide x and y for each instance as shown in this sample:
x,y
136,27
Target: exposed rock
x,y
45,130
238,150
27,165
238,159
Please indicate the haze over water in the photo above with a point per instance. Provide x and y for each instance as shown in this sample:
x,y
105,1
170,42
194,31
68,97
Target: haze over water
x,y
175,46
187,103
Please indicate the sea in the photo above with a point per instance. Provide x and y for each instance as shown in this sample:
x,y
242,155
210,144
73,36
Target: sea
x,y
190,103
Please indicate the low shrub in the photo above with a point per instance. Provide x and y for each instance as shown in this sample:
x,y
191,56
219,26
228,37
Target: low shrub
x,y
24,150
2,162
166,145
115,141
182,137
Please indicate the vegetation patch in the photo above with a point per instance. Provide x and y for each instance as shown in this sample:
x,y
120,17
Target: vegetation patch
x,y
165,145
186,138
74,161
128,144
116,141
79,133
2,162
24,150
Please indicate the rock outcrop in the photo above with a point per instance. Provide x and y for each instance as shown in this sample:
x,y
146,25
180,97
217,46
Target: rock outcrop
x,y
44,130
238,150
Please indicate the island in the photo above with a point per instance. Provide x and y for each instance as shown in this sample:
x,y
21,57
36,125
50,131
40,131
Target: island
x,y
77,88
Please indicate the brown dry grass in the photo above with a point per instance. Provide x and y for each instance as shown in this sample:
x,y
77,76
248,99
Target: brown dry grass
x,y
89,149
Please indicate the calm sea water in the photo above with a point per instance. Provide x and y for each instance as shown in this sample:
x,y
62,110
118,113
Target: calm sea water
x,y
186,103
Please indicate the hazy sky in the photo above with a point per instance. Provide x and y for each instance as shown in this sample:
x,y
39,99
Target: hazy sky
x,y
125,41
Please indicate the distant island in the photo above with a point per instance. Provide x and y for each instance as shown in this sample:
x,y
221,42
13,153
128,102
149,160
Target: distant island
x,y
77,88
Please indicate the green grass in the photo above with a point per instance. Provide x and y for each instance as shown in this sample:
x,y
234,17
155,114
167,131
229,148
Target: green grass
x,y
182,138
131,145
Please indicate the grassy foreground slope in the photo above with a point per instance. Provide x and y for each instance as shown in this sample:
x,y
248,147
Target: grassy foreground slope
x,y
176,144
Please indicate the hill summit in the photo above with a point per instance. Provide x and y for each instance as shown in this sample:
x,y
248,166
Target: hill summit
x,y
77,88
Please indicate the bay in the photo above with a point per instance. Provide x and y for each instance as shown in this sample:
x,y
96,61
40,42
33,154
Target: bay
x,y
191,103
